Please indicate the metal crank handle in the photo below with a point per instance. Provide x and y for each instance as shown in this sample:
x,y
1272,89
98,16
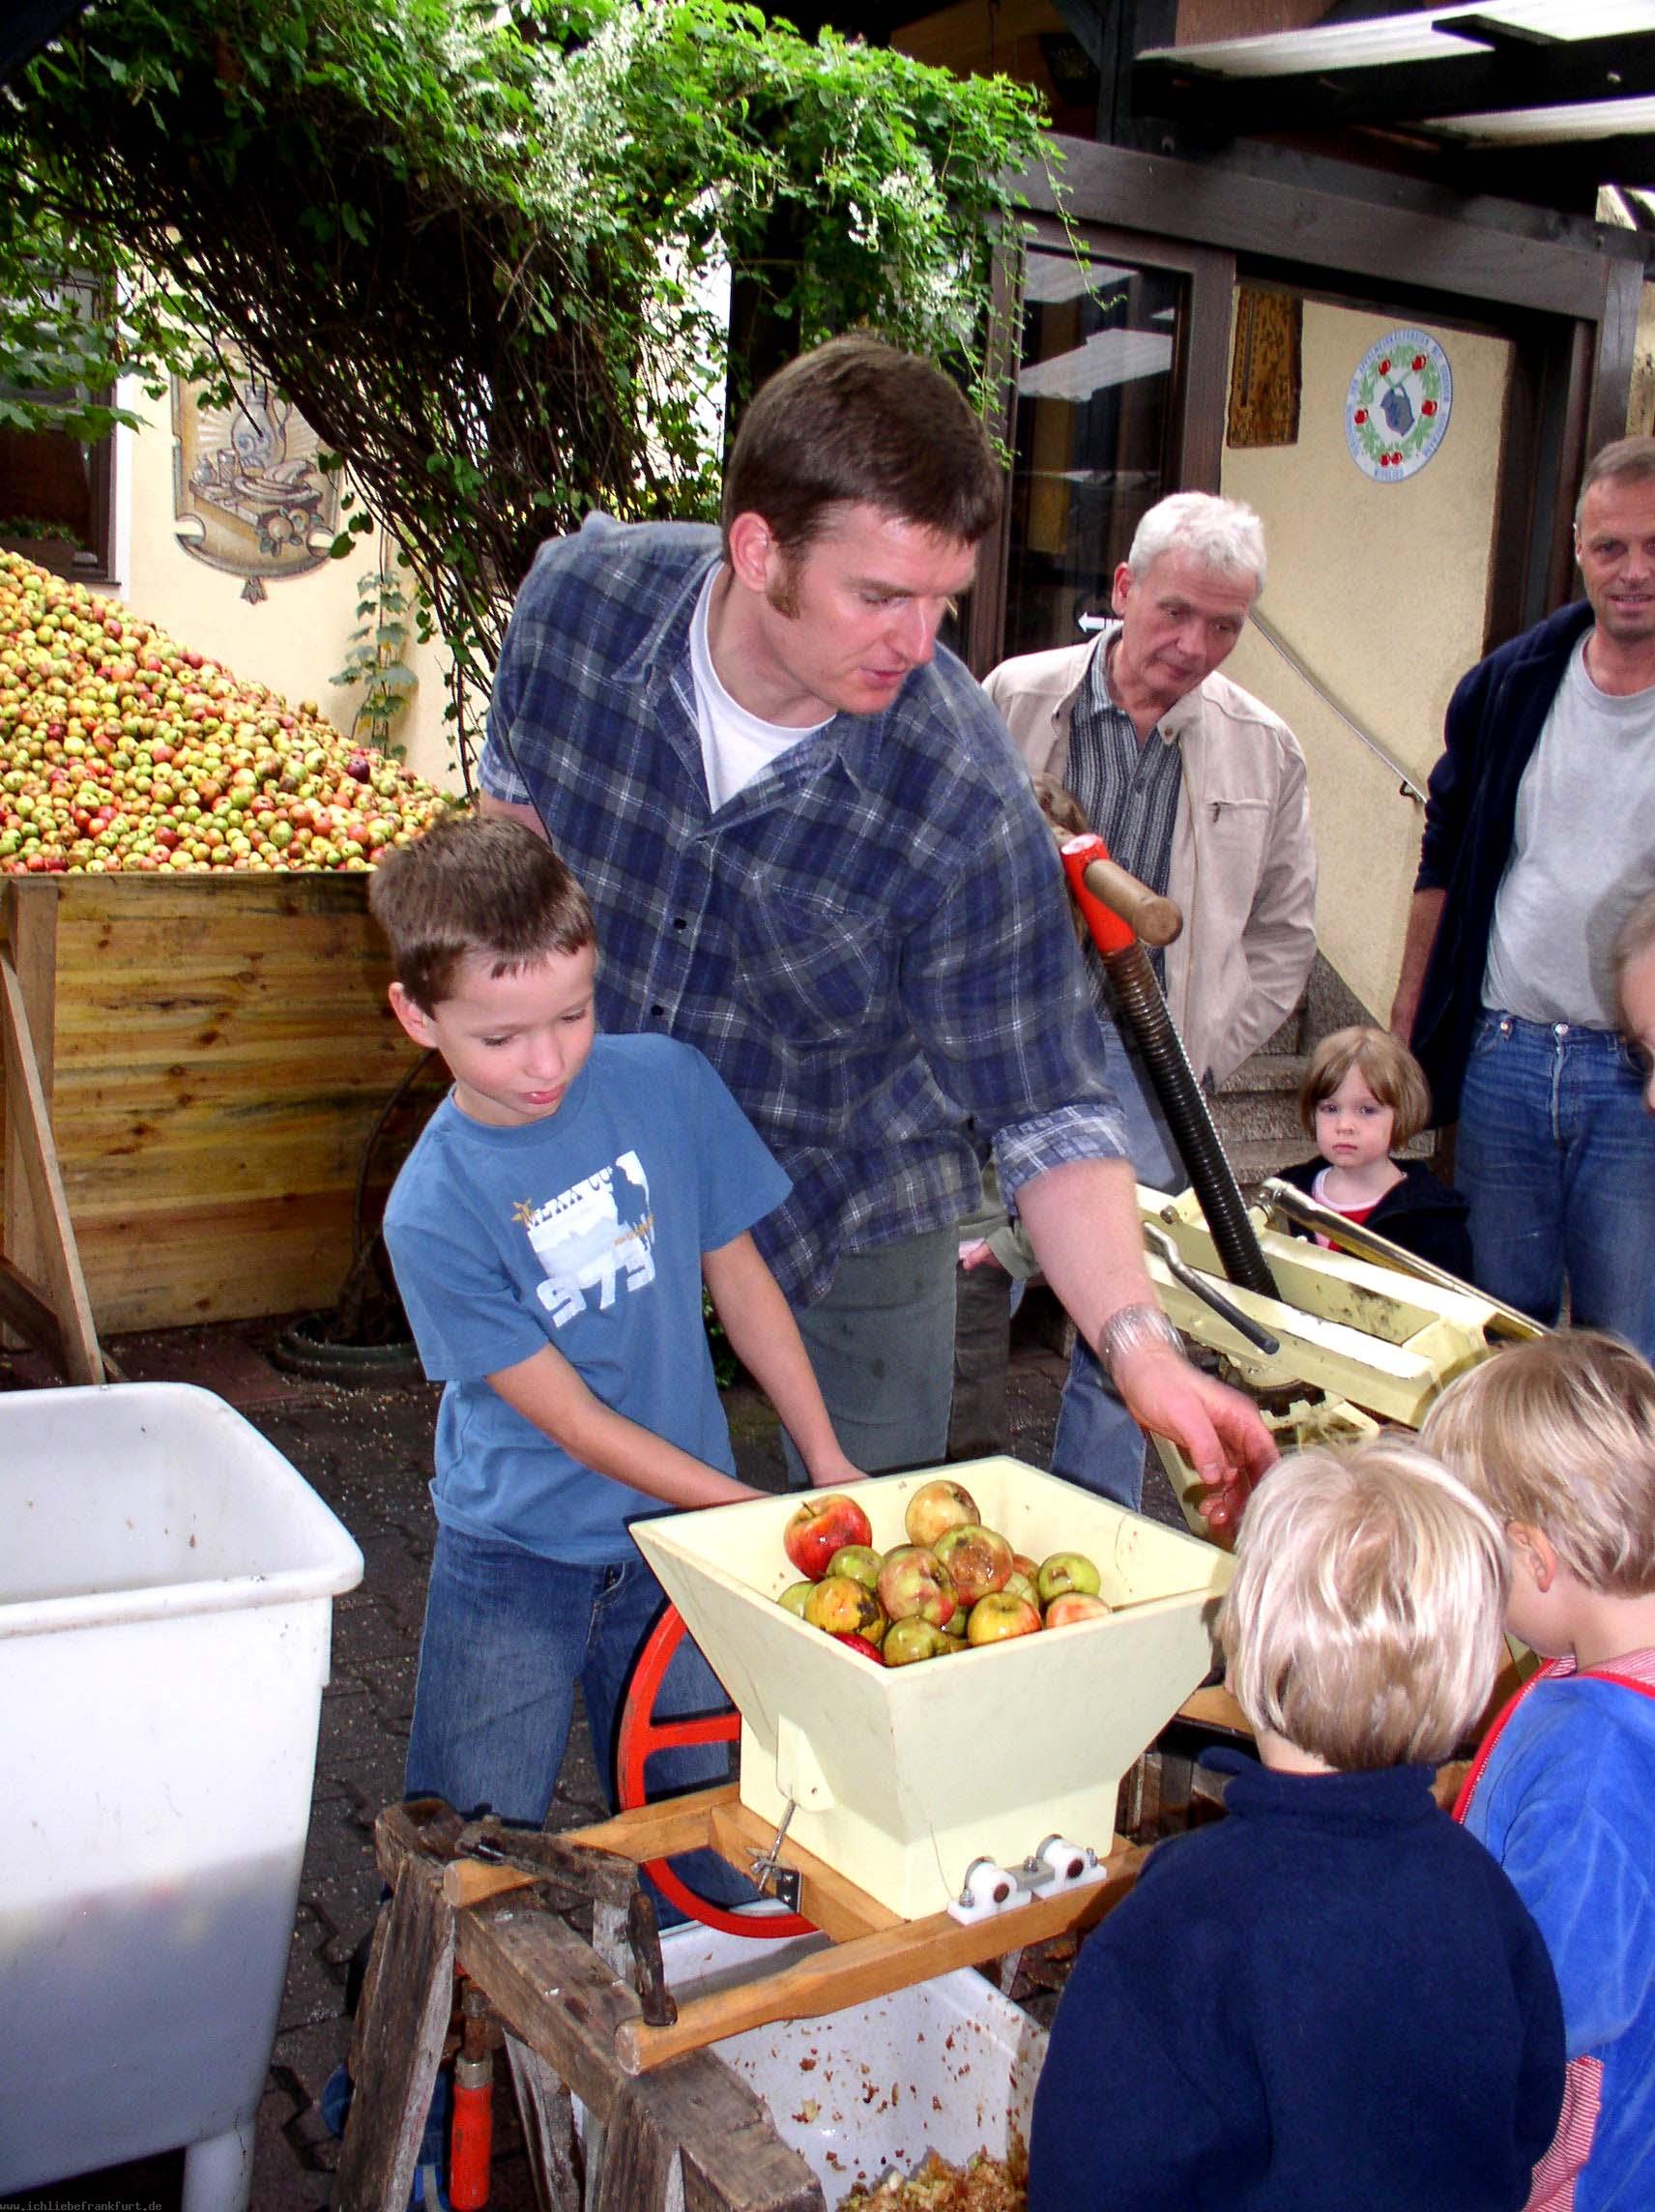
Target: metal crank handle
x,y
1259,1337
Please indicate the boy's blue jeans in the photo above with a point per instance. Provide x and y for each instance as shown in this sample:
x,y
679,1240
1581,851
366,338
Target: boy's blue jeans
x,y
508,1635
1557,1157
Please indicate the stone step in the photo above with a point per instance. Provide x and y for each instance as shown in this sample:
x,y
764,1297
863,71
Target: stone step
x,y
1266,1072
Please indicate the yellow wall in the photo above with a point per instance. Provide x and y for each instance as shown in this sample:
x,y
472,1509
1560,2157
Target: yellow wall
x,y
1380,591
293,640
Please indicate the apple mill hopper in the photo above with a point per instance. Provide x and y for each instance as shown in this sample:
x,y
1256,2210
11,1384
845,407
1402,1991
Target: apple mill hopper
x,y
900,1779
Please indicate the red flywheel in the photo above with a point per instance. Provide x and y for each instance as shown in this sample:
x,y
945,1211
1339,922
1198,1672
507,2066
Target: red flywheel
x,y
640,1736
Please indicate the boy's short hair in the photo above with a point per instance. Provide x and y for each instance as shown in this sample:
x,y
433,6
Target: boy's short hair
x,y
1558,1434
1364,1622
857,422
1385,1065
1633,941
475,884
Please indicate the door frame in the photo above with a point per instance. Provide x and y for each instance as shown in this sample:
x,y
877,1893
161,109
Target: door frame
x,y
1567,300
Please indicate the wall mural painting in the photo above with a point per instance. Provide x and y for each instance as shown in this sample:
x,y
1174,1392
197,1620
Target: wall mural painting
x,y
249,495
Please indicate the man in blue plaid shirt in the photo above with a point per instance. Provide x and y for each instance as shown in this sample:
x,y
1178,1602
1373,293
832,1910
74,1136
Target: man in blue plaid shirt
x,y
814,855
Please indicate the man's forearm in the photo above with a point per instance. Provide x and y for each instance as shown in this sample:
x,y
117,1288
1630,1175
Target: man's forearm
x,y
1082,1219
1424,918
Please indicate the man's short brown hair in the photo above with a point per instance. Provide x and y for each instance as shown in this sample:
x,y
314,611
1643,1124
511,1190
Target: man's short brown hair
x,y
475,884
1628,460
856,421
1385,1065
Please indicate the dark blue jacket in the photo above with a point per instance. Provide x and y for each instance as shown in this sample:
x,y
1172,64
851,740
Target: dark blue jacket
x,y
1494,723
1421,1214
1331,2000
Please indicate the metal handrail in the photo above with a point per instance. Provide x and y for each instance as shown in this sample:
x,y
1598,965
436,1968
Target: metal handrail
x,y
1273,637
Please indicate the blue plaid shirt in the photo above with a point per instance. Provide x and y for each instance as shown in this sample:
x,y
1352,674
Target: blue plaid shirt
x,y
871,941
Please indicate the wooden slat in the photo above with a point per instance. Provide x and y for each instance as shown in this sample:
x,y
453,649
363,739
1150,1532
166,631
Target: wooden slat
x,y
28,924
872,1967
222,1051
550,1988
218,1262
28,1119
549,2128
657,1831
398,2051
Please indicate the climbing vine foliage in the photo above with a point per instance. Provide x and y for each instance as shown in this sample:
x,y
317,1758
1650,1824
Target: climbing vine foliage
x,y
485,249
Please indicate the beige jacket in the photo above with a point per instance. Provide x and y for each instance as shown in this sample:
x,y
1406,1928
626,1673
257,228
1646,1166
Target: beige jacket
x,y
1243,865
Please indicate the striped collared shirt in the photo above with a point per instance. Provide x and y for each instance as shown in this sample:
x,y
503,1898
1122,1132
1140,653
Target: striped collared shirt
x,y
1128,789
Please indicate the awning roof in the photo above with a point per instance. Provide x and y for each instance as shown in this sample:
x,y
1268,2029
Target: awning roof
x,y
1577,77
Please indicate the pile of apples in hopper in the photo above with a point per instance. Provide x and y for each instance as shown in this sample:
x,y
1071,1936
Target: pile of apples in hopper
x,y
953,1585
121,752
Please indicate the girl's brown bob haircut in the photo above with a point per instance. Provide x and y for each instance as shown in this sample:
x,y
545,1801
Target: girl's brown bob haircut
x,y
1385,1065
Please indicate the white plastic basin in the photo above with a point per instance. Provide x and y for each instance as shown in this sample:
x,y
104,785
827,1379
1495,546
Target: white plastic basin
x,y
166,1579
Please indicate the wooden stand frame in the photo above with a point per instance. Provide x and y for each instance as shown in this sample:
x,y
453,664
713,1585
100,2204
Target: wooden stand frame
x,y
656,2097
42,1287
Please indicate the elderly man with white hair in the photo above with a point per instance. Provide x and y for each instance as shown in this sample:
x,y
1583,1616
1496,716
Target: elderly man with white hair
x,y
1197,789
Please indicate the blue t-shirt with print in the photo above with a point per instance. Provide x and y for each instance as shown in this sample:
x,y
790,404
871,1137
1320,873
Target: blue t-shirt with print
x,y
584,1230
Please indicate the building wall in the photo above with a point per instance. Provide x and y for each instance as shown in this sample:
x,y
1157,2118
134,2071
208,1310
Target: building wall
x,y
1381,590
293,640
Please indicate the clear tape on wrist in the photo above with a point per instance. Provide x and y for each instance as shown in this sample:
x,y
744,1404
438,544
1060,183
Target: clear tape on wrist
x,y
1130,1329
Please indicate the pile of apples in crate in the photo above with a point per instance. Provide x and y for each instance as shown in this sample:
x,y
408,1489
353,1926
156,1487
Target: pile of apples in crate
x,y
953,1585
121,752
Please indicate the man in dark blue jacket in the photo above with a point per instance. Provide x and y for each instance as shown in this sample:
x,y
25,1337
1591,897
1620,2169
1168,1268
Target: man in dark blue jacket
x,y
1539,838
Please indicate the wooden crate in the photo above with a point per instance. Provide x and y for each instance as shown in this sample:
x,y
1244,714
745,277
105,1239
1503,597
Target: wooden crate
x,y
216,1052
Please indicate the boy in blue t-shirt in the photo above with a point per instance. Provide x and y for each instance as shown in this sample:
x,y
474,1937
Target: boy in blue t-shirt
x,y
551,1232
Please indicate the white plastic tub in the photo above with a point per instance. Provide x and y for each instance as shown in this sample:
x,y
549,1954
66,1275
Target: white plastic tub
x,y
948,2065
165,1587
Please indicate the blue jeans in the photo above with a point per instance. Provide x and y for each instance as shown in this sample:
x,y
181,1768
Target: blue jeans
x,y
508,1635
1557,1157
882,1342
1097,1444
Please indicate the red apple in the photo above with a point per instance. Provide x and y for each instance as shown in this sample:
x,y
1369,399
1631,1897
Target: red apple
x,y
999,1616
912,1585
1073,1606
823,1524
854,1643
976,1559
936,1506
844,1608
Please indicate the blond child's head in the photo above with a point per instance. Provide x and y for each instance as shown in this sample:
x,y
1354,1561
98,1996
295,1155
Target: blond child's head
x,y
475,886
1558,1435
1386,1066
1364,1622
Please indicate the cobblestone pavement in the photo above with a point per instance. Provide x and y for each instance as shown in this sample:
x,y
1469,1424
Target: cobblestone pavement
x,y
366,1450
